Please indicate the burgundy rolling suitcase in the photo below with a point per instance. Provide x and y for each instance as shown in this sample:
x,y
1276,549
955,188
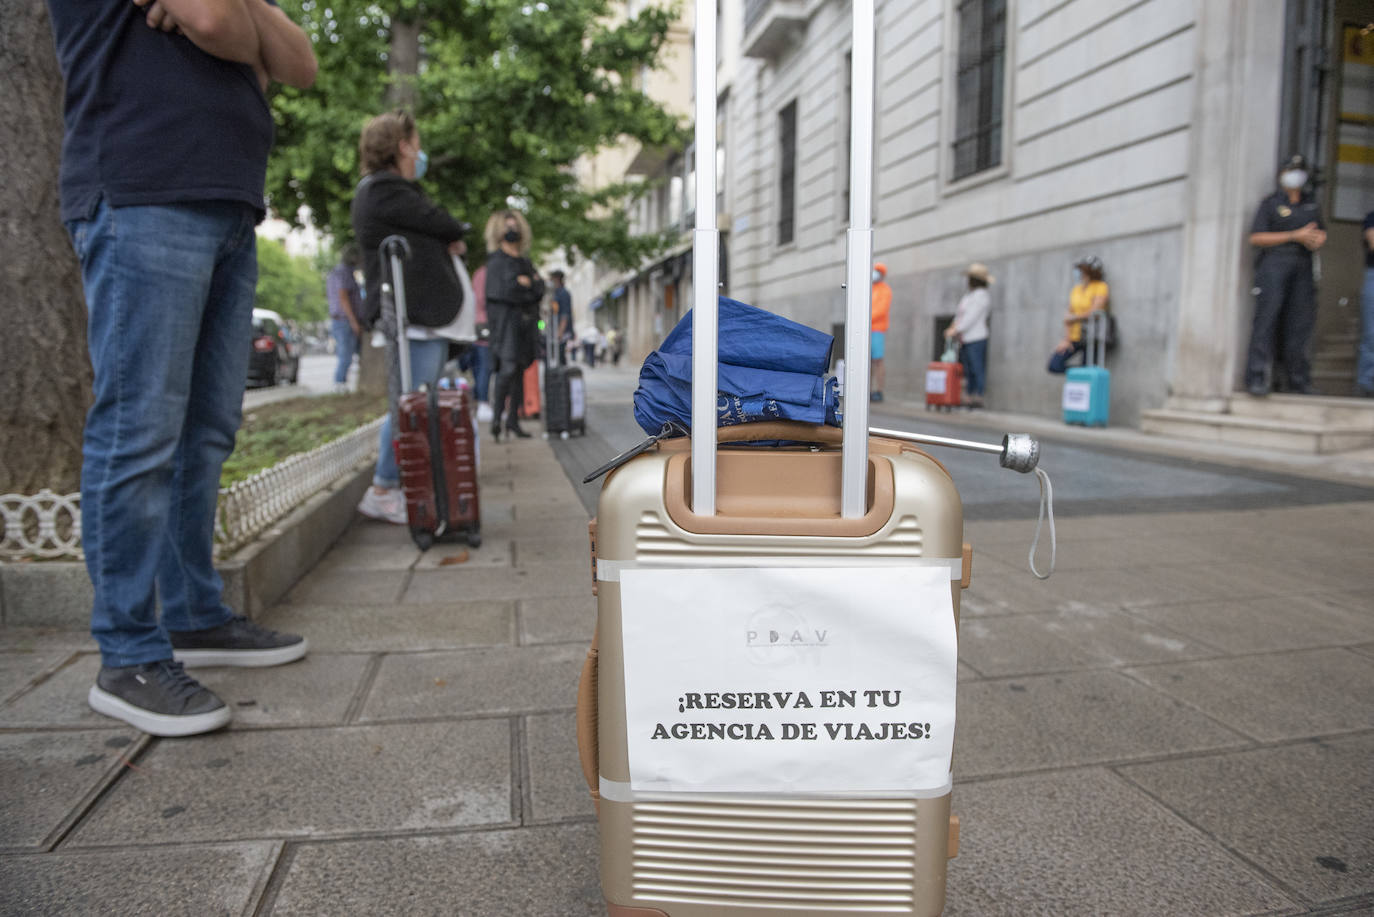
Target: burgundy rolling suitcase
x,y
434,439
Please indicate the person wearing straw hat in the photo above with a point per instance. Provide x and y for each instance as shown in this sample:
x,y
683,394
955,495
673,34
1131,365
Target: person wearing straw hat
x,y
970,329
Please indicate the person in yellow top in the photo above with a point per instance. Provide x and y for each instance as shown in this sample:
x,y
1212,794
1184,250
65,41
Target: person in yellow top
x,y
882,309
1089,295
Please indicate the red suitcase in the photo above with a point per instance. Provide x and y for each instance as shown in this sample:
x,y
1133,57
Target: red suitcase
x,y
435,442
944,385
531,407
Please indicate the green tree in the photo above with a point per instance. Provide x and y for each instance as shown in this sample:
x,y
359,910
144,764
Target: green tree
x,y
508,95
290,286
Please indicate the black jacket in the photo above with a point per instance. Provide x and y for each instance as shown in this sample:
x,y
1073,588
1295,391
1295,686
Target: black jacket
x,y
512,309
384,204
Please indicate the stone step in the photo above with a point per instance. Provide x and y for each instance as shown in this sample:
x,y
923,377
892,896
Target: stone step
x,y
1336,384
1255,432
1320,410
1334,365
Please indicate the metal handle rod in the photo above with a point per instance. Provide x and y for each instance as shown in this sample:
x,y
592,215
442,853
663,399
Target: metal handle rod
x,y
967,444
398,296
858,265
705,270
1017,451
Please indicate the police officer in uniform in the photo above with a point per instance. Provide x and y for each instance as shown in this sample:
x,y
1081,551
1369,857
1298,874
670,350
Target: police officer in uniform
x,y
1288,228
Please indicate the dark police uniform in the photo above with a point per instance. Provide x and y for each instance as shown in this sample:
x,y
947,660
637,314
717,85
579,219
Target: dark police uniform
x,y
1285,297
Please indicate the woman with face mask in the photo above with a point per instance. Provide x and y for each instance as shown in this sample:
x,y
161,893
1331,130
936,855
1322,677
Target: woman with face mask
x,y
388,201
514,289
1288,228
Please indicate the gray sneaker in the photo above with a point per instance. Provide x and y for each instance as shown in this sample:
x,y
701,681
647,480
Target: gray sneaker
x,y
158,698
238,641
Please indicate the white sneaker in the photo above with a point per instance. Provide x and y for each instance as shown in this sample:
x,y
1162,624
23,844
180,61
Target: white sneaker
x,y
483,412
387,506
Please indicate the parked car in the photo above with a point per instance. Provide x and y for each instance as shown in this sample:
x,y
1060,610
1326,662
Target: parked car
x,y
275,356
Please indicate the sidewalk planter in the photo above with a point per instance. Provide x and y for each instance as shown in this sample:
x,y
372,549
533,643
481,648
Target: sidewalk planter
x,y
58,594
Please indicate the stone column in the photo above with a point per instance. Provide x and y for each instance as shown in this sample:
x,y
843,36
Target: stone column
x,y
1237,84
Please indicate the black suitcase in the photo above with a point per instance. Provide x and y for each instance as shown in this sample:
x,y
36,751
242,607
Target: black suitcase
x,y
565,401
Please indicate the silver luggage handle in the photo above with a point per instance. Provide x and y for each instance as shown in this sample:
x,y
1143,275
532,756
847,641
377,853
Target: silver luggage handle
x,y
396,249
858,264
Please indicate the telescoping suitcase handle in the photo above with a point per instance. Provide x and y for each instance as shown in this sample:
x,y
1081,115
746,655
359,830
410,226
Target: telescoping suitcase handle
x,y
395,250
859,258
1096,332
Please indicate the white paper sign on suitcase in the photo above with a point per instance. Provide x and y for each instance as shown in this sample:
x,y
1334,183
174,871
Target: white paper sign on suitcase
x,y
577,398
790,680
1077,396
935,381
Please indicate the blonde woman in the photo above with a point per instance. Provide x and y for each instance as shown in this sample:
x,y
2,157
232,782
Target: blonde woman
x,y
514,289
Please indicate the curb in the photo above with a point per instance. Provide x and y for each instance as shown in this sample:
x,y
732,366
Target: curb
x,y
255,577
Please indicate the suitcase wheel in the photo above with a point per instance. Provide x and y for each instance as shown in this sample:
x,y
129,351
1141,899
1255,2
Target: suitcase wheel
x,y
474,539
423,540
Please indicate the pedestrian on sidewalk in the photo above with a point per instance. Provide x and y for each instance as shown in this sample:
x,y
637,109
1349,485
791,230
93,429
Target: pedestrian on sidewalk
x,y
970,329
344,304
882,310
388,201
562,315
514,289
1089,295
161,192
1364,369
477,358
1288,228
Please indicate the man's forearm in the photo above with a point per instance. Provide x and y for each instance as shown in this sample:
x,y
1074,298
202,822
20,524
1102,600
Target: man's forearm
x,y
222,28
1271,239
285,50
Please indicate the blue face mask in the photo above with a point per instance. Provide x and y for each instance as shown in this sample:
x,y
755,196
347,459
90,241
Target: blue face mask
x,y
421,164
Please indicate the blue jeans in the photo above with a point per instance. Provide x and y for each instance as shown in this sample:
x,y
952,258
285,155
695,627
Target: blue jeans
x,y
477,358
426,362
345,345
1059,362
169,297
1364,370
974,356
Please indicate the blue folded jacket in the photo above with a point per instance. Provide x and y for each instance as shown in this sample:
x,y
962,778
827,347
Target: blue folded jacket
x,y
770,368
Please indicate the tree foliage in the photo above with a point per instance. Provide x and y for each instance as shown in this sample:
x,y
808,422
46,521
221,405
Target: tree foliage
x,y
291,286
508,95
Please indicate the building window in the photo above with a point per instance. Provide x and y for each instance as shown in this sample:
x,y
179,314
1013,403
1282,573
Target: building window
x,y
787,173
979,81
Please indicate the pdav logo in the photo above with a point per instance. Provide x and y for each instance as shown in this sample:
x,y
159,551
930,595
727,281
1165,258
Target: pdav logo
x,y
777,635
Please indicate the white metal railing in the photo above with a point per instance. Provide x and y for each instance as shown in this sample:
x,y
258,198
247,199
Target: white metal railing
x,y
249,507
44,525
47,525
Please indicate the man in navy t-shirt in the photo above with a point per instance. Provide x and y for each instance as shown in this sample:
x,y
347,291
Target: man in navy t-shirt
x,y
163,161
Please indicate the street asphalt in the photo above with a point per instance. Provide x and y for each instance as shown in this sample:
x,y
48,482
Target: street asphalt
x,y
1179,722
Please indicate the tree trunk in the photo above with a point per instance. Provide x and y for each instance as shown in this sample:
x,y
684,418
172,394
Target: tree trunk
x,y
403,61
45,374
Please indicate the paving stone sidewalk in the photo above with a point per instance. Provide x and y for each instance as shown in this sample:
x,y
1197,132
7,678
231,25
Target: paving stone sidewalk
x,y
1180,722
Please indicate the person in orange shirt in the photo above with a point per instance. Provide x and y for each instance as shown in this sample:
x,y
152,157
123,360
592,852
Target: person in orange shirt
x,y
882,308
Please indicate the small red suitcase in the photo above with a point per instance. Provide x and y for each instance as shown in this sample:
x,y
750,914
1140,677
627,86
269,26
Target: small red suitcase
x,y
434,440
530,407
944,385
